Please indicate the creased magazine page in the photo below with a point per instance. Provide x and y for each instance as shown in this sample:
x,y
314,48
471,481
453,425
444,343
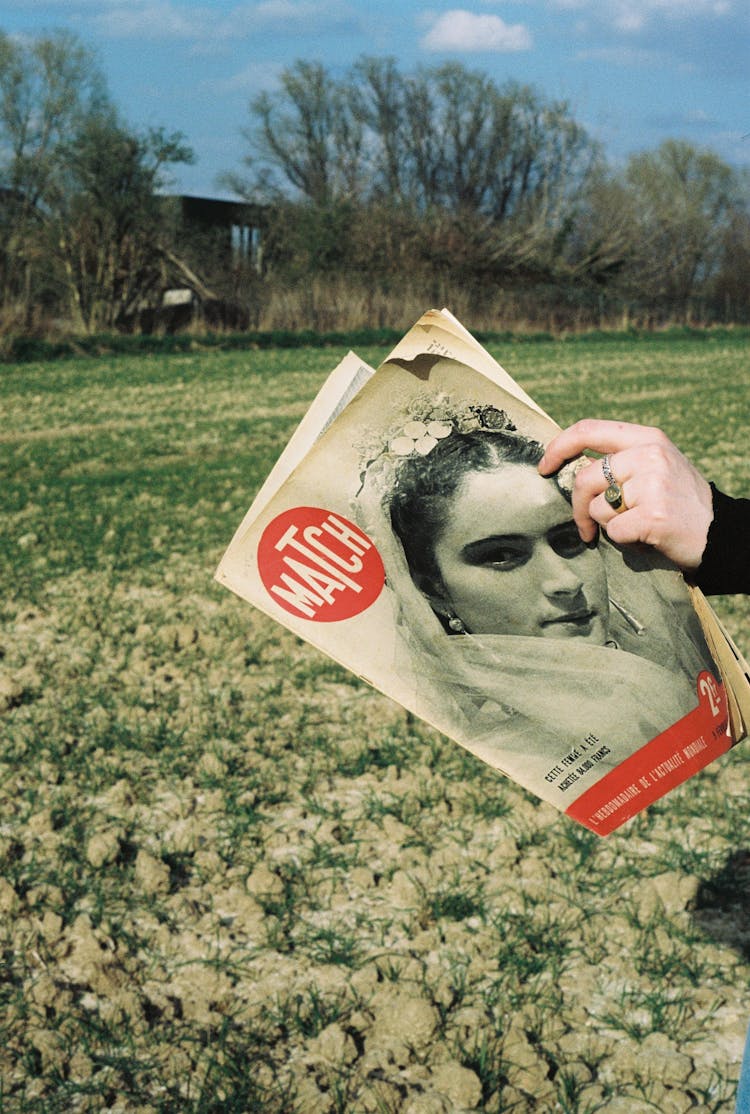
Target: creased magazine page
x,y
439,333
417,544
338,390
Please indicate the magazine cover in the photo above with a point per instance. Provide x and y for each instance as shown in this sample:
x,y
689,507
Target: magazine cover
x,y
407,533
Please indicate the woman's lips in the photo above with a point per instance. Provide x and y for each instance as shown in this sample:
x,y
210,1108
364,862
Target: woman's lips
x,y
579,618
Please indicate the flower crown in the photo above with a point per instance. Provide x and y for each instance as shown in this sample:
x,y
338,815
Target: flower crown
x,y
432,418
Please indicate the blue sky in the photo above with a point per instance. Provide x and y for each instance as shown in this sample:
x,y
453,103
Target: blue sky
x,y
633,71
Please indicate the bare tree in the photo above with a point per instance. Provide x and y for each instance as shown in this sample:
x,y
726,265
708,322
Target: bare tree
x,y
445,145
445,137
304,140
82,225
683,202
107,227
47,87
444,169
379,95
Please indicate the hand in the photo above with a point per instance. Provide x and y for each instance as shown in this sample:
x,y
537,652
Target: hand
x,y
668,503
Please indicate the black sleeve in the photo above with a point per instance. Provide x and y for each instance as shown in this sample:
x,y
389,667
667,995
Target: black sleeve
x,y
725,566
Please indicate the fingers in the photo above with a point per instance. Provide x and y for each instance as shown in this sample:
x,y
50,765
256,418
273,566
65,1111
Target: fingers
x,y
668,503
598,436
605,514
626,445
590,508
625,528
623,466
643,478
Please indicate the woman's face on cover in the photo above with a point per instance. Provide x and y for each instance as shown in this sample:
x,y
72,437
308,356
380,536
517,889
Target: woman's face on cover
x,y
512,562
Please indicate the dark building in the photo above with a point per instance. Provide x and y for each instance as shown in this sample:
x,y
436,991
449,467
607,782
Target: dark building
x,y
234,229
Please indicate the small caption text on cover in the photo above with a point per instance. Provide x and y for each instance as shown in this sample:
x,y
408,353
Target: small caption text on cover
x,y
318,565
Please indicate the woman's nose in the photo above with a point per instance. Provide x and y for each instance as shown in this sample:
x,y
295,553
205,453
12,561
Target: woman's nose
x,y
559,576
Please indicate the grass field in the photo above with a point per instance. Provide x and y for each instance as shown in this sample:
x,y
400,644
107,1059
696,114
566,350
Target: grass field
x,y
232,879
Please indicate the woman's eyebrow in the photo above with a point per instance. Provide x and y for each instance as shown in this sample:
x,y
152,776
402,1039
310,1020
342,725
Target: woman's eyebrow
x,y
479,548
562,528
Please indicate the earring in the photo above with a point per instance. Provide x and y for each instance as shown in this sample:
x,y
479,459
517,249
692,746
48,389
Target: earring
x,y
457,625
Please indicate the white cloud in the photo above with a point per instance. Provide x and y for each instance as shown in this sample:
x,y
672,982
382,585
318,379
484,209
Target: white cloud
x,y
633,15
251,79
284,10
466,31
154,19
169,19
620,56
696,119
289,17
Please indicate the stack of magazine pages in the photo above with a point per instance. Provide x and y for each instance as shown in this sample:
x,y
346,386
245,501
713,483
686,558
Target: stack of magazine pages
x,y
407,533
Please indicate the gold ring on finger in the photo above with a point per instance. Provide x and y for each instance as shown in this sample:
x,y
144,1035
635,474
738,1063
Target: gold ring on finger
x,y
615,498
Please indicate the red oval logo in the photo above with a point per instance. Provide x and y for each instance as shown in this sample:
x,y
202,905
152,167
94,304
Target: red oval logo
x,y
317,565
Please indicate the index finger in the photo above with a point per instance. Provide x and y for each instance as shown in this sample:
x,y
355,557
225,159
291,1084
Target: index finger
x,y
597,435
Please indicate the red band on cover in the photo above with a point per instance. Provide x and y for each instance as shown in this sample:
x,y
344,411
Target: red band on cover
x,y
666,761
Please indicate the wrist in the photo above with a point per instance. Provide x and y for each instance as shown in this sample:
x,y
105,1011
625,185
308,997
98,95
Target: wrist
x,y
701,530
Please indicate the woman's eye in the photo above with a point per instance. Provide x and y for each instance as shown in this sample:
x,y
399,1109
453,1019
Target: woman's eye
x,y
498,553
567,542
505,558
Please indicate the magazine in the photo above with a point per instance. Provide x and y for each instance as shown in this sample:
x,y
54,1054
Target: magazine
x,y
406,532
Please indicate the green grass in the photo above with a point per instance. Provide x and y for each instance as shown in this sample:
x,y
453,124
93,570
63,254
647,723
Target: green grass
x,y
220,854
